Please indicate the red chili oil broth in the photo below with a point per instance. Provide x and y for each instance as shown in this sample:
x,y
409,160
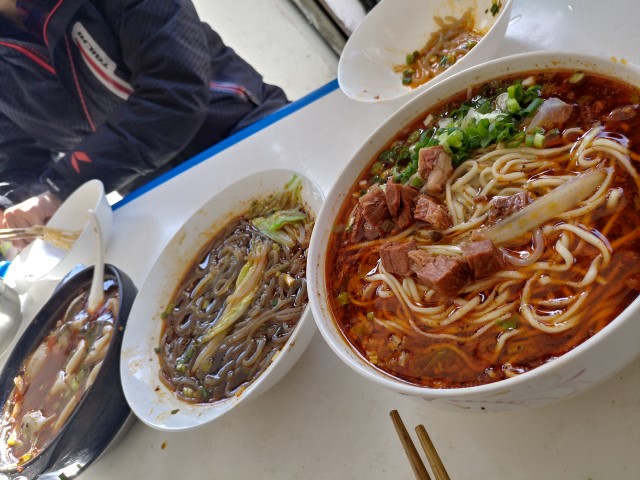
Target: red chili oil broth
x,y
450,364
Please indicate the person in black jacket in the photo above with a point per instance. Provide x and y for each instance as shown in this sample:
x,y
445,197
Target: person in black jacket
x,y
117,90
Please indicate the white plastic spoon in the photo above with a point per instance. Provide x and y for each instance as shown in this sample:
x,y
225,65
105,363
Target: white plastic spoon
x,y
96,294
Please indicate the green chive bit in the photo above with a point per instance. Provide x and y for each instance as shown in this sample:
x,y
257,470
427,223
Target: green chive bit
x,y
576,77
377,168
416,181
510,323
407,76
386,156
528,141
342,299
512,105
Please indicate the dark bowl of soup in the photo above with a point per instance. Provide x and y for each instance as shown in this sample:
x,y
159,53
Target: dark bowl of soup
x,y
480,250
63,403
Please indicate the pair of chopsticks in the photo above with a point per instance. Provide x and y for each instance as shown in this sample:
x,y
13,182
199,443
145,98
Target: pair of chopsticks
x,y
57,237
419,468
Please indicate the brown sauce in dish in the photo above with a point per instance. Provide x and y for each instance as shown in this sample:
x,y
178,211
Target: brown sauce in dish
x,y
452,41
54,379
238,302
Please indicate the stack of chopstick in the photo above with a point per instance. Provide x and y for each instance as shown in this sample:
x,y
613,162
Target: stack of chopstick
x,y
419,469
57,237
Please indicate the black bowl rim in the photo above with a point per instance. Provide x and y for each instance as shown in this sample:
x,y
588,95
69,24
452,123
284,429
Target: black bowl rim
x,y
59,453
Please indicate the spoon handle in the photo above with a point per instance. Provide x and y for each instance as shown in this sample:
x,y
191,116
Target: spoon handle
x,y
96,293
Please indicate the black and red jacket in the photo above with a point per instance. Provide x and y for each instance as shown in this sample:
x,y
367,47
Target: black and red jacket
x,y
115,90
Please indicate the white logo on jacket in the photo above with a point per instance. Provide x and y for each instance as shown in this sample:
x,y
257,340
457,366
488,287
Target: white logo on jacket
x,y
99,63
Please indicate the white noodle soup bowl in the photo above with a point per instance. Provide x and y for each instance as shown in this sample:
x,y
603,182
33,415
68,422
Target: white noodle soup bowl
x,y
587,365
149,398
394,28
41,260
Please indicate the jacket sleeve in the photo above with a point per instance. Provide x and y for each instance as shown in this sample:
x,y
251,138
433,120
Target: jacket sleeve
x,y
164,46
21,162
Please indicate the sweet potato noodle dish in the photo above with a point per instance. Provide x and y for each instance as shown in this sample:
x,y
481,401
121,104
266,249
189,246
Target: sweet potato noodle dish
x,y
55,378
494,234
239,302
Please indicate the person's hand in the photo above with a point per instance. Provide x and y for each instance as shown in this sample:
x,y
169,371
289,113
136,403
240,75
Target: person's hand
x,y
34,211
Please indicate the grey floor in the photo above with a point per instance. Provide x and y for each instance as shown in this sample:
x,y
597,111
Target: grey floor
x,y
274,37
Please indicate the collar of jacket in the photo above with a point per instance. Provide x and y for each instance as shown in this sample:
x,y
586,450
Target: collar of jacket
x,y
10,30
57,21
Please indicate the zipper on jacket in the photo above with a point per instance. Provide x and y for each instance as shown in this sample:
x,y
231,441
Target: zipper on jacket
x,y
32,55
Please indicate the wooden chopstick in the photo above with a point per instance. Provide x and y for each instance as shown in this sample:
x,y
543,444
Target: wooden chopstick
x,y
8,233
437,467
419,469
57,237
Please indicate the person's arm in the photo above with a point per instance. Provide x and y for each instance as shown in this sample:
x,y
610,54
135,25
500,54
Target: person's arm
x,y
164,46
34,211
22,160
23,200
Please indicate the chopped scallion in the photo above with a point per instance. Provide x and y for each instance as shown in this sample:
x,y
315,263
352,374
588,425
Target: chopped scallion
x,y
510,323
342,299
512,105
576,77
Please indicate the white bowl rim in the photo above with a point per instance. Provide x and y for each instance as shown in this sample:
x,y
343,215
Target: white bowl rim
x,y
459,66
316,251
23,274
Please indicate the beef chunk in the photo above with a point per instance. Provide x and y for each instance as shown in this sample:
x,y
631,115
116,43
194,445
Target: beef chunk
x,y
357,228
622,114
434,167
446,275
400,201
393,195
431,211
502,207
483,257
395,257
370,233
361,229
375,210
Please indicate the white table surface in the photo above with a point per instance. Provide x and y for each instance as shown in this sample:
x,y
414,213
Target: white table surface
x,y
324,421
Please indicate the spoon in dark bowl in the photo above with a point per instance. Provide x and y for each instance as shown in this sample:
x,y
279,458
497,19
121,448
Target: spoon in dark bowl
x,y
96,292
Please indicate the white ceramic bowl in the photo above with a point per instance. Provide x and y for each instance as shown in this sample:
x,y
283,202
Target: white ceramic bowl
x,y
40,260
590,363
396,27
149,398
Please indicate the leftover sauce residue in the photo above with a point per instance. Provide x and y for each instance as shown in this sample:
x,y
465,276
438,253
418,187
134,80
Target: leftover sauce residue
x,y
452,41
